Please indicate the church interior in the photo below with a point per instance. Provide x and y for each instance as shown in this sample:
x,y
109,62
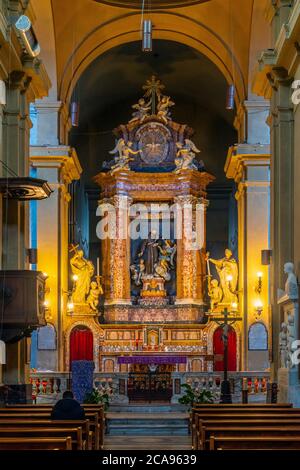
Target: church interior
x,y
149,223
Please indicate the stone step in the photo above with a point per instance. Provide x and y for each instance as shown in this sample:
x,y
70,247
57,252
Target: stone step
x,y
147,408
147,430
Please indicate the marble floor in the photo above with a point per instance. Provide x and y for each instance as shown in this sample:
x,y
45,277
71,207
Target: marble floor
x,y
147,443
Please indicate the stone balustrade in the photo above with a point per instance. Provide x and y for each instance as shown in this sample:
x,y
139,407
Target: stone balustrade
x,y
47,387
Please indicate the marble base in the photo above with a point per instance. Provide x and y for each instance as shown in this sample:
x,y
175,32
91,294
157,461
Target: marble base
x,y
288,386
153,314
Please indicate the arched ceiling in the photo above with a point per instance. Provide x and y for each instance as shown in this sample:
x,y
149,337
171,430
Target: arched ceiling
x,y
152,4
113,83
219,29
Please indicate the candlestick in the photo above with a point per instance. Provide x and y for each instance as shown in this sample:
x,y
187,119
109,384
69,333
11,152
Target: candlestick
x,y
208,267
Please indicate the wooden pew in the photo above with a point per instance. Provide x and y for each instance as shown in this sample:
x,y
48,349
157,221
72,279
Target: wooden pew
x,y
74,433
251,430
20,423
38,415
243,413
254,443
88,408
27,443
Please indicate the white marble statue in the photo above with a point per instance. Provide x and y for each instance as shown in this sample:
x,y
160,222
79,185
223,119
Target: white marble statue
x,y
122,152
185,156
141,110
291,285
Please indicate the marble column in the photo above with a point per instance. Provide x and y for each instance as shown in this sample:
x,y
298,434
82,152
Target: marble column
x,y
59,166
117,266
190,260
249,167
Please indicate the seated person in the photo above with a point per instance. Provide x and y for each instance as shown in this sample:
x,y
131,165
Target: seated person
x,y
67,408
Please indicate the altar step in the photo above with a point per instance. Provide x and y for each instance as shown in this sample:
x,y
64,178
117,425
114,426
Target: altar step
x,y
148,408
147,424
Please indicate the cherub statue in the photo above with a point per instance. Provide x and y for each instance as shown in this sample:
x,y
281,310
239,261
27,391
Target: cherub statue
x,y
124,151
185,155
142,110
215,293
137,272
83,269
163,106
94,294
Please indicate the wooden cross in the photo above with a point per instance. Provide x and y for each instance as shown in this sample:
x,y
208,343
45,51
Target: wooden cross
x,y
225,321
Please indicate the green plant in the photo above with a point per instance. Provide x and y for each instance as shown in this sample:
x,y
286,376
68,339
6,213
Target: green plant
x,y
96,396
193,396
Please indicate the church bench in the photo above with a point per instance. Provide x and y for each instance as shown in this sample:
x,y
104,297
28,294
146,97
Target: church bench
x,y
46,414
75,433
88,408
87,434
251,431
254,443
27,443
243,413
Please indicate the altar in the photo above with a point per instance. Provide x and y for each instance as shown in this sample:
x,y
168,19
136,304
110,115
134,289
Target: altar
x,y
146,303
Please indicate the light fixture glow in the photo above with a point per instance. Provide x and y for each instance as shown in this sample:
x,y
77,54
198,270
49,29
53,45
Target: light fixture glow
x,y
75,277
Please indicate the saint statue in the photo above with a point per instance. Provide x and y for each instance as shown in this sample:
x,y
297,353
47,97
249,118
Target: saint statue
x,y
83,269
150,252
227,270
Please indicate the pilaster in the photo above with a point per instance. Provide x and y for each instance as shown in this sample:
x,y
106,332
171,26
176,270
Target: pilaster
x,y
249,167
58,165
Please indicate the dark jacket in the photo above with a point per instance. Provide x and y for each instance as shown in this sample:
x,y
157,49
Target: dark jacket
x,y
67,408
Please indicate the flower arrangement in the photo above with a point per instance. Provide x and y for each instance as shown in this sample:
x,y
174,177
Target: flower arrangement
x,y
101,394
195,395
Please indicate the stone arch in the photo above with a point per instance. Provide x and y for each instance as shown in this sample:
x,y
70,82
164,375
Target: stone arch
x,y
189,31
96,335
211,328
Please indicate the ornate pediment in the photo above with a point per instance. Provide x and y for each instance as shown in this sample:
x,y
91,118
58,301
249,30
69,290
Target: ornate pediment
x,y
151,141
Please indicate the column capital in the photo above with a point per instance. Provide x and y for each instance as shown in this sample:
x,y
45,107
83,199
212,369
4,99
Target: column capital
x,y
61,157
242,156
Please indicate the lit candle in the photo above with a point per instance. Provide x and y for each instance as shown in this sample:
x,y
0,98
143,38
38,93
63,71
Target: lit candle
x,y
98,266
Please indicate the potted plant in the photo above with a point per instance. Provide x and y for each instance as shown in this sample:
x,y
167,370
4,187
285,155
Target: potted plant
x,y
102,394
194,395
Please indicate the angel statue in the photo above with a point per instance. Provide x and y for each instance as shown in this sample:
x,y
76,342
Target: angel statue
x,y
94,294
142,110
124,151
163,106
166,260
185,156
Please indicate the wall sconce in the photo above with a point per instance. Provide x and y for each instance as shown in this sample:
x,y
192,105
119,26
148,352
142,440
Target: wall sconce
x,y
70,305
258,287
258,305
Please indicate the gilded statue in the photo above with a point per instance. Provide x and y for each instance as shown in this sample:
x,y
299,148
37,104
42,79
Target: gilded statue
x,y
94,294
123,158
141,110
185,156
215,293
163,106
83,269
227,270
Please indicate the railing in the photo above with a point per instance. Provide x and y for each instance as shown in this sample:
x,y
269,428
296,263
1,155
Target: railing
x,y
49,386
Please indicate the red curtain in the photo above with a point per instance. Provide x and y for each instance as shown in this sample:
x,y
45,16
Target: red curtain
x,y
81,345
219,349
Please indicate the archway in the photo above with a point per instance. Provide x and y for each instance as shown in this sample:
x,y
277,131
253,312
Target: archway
x,y
81,344
219,349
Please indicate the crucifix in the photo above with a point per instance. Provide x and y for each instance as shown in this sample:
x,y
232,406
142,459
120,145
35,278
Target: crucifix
x,y
225,322
153,89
